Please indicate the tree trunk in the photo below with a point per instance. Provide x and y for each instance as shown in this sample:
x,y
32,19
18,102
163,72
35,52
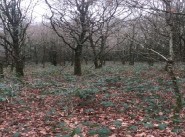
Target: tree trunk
x,y
18,58
19,67
36,55
131,50
44,56
12,65
150,60
123,61
19,62
170,61
63,58
183,56
170,64
53,57
96,63
131,55
72,58
77,61
131,62
178,94
1,70
86,60
101,62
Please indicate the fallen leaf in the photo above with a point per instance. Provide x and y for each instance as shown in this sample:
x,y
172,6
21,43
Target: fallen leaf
x,y
141,135
124,124
111,127
149,136
128,136
2,127
113,135
76,135
42,130
160,113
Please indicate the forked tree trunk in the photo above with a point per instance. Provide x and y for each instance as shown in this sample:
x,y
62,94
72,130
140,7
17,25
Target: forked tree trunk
x,y
77,61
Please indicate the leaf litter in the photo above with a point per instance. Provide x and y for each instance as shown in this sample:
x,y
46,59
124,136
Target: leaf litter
x,y
132,103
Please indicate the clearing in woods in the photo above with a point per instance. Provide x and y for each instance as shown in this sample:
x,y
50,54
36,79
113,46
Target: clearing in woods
x,y
115,101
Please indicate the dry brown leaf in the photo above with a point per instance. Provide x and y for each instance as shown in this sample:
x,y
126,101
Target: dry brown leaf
x,y
160,113
112,127
141,135
113,135
2,127
124,124
149,136
119,119
76,135
43,132
128,136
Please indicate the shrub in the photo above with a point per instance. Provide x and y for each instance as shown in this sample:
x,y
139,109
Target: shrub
x,y
86,94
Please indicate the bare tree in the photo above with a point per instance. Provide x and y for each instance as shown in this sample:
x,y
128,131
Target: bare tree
x,y
104,25
170,61
2,57
15,25
167,11
69,20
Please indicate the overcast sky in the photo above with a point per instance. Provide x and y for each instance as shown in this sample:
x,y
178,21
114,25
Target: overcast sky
x,y
39,10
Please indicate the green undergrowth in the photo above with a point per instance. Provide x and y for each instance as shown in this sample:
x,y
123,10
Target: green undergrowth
x,y
144,94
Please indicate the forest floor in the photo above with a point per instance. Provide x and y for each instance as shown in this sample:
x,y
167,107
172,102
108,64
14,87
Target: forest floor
x,y
115,101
